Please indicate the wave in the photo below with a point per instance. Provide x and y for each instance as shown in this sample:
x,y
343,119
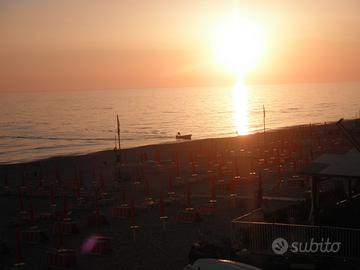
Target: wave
x,y
55,138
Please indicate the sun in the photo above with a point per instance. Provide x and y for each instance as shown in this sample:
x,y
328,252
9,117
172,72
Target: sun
x,y
238,45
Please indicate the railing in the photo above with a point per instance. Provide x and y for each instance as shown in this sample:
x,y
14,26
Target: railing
x,y
258,238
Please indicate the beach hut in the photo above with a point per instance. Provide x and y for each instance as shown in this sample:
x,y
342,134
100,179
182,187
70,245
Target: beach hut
x,y
332,166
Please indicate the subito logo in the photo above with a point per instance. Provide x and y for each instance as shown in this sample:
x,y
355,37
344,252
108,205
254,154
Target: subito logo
x,y
280,246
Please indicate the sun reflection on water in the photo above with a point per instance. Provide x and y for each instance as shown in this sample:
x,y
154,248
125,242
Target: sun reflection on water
x,y
240,111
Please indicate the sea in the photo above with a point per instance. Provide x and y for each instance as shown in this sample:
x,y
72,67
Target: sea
x,y
40,124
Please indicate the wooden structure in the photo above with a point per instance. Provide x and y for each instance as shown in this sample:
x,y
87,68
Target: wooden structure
x,y
344,166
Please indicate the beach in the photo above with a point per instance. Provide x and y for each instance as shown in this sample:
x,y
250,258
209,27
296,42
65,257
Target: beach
x,y
218,178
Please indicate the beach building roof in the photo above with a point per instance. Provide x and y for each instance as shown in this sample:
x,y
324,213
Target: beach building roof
x,y
346,165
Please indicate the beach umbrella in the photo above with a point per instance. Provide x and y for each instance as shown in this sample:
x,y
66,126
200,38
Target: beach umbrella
x,y
58,178
142,173
163,217
52,196
32,212
295,165
21,200
188,196
235,165
213,190
61,236
147,188
252,165
81,179
124,161
124,194
75,180
170,185
209,163
173,156
162,205
93,174
65,205
133,226
133,213
102,181
19,260
232,186
77,190
6,182
97,221
177,165
41,182
279,174
157,157
193,169
96,198
220,170
23,180
259,194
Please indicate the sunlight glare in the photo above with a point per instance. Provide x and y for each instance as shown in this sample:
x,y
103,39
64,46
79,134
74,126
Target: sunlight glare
x,y
240,97
238,44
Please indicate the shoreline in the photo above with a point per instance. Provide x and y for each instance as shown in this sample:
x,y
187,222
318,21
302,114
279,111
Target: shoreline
x,y
170,143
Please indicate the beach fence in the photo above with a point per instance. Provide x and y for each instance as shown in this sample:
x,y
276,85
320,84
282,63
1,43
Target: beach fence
x,y
249,233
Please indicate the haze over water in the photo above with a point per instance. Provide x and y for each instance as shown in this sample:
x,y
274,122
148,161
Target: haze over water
x,y
35,125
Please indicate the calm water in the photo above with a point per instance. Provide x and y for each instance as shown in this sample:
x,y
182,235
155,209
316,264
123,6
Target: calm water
x,y
36,125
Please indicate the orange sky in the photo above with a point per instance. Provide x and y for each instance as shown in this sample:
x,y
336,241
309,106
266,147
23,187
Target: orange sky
x,y
86,44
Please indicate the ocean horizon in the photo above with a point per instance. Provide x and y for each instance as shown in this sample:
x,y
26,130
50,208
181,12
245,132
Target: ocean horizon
x,y
40,124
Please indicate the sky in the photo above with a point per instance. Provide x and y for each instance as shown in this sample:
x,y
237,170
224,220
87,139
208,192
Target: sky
x,y
88,44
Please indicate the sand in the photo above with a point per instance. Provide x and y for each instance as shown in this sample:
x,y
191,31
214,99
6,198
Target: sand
x,y
92,181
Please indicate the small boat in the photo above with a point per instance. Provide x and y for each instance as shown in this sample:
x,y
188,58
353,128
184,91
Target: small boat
x,y
183,137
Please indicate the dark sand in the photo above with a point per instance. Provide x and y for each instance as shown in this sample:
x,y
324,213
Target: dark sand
x,y
154,247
